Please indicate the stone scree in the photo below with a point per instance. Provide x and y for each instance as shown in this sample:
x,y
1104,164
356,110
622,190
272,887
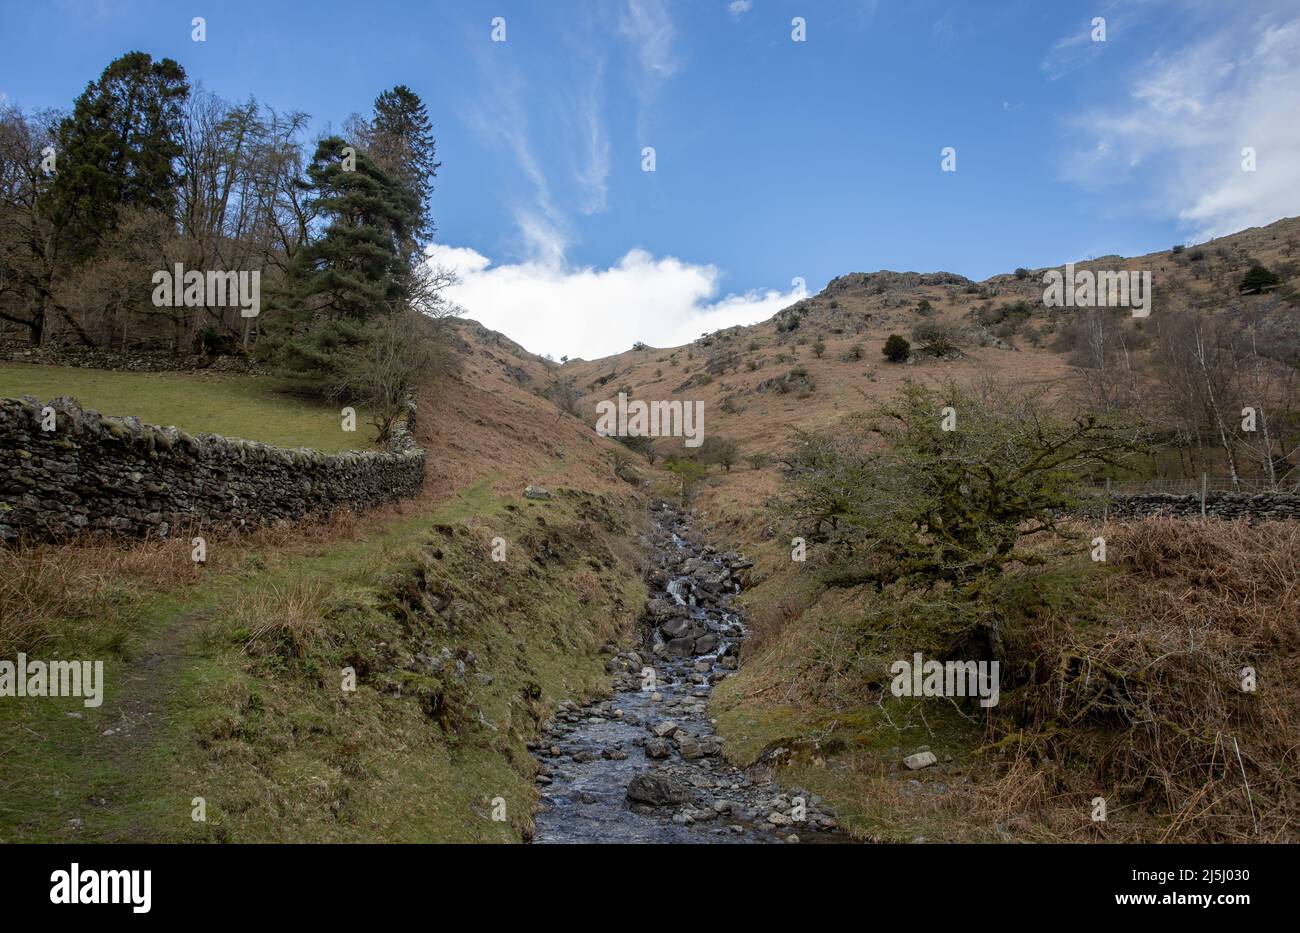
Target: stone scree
x,y
1225,505
100,474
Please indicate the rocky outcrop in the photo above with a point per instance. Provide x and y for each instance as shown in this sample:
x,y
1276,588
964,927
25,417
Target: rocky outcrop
x,y
93,473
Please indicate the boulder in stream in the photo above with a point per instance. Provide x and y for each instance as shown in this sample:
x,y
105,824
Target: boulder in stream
x,y
657,790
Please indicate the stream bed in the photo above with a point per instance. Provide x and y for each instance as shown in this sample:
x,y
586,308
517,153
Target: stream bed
x,y
646,764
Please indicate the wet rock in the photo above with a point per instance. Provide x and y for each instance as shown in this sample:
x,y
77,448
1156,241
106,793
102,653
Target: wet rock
x,y
679,627
673,617
682,647
658,790
710,745
688,746
706,643
690,792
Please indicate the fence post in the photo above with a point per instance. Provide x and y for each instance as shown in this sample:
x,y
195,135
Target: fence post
x,y
1204,483
1105,507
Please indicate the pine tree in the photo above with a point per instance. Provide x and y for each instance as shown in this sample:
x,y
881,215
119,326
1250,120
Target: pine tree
x,y
118,148
355,271
400,139
1259,279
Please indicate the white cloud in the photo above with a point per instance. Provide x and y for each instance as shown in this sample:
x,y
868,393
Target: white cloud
x,y
550,307
739,8
1186,119
648,25
593,174
1078,48
1070,53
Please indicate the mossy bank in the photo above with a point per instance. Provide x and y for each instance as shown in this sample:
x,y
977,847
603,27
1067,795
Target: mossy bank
x,y
230,698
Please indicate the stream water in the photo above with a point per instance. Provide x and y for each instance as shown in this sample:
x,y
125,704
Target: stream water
x,y
645,765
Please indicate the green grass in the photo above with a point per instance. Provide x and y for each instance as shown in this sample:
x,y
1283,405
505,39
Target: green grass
x,y
845,756
261,730
256,408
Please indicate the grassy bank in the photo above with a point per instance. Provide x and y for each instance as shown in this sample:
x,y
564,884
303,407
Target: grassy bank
x,y
227,683
1126,684
257,408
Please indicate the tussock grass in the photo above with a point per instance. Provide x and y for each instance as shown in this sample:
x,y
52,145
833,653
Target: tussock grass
x,y
1148,701
1121,680
285,620
45,590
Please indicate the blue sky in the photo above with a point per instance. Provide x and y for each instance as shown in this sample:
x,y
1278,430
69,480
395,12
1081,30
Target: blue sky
x,y
775,159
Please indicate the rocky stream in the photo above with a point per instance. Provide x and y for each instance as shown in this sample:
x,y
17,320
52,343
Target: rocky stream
x,y
646,764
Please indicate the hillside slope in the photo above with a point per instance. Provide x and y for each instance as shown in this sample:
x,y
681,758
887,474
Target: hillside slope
x,y
758,381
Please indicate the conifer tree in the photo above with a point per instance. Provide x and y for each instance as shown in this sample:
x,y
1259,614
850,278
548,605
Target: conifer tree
x,y
400,139
118,148
354,272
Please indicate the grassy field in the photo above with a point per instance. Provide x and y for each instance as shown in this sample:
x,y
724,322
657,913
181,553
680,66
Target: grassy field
x,y
257,408
226,685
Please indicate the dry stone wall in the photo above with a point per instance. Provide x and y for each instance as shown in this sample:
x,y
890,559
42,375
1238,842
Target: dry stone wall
x,y
99,474
1224,505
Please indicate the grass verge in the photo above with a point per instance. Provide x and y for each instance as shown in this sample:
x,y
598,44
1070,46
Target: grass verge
x,y
227,693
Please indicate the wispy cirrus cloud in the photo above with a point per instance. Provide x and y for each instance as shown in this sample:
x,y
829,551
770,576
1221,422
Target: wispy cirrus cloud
x,y
501,119
944,29
1188,113
1078,48
555,132
592,175
648,26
